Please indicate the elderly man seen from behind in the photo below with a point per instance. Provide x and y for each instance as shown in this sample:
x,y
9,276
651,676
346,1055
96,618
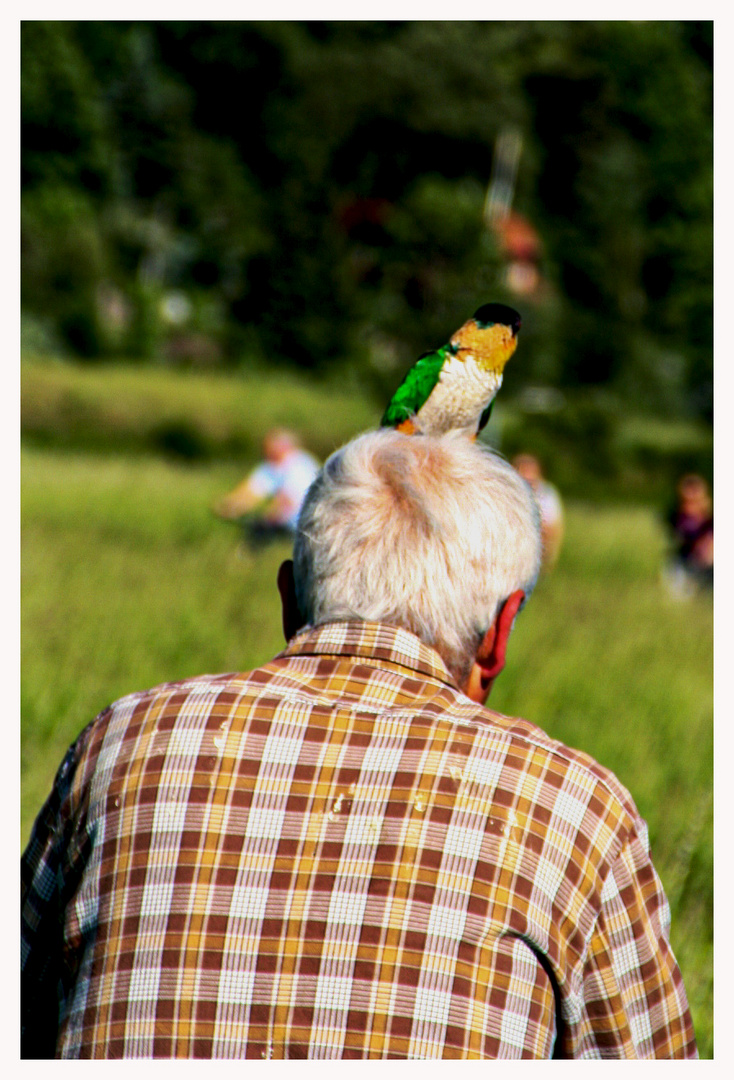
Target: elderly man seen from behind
x,y
344,854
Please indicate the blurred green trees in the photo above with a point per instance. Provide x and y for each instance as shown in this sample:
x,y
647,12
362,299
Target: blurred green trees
x,y
313,194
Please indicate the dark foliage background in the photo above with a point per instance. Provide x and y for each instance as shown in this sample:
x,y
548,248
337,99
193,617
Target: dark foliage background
x,y
312,193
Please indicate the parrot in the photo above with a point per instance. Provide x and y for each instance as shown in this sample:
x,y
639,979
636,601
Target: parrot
x,y
453,387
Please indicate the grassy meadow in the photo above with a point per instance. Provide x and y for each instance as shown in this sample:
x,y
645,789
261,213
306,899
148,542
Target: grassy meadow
x,y
129,580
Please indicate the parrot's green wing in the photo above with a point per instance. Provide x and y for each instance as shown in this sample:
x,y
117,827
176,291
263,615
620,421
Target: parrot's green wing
x,y
415,387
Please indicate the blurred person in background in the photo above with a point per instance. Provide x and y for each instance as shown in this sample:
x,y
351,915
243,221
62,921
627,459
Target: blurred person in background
x,y
549,502
268,501
691,524
344,853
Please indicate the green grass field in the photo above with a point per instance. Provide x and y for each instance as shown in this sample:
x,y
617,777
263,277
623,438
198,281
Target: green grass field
x,y
128,580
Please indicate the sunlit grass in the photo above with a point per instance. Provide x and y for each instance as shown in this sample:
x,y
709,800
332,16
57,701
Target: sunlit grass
x,y
204,414
128,580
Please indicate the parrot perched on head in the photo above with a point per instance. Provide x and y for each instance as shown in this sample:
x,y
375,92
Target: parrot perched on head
x,y
453,388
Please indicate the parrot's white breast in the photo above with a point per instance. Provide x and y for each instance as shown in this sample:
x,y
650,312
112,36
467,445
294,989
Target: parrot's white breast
x,y
459,398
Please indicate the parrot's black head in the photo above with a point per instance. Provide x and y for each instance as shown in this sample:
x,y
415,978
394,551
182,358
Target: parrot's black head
x,y
490,314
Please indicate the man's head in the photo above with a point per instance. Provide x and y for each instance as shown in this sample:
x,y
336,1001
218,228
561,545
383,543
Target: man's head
x,y
693,494
529,468
431,534
278,444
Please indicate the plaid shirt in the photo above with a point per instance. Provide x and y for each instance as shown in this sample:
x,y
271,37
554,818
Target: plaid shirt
x,y
339,855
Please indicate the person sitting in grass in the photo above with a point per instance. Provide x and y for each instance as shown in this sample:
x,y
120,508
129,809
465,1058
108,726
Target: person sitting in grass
x,y
267,502
345,853
691,523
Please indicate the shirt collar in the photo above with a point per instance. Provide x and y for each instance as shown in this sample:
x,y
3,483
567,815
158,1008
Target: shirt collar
x,y
370,641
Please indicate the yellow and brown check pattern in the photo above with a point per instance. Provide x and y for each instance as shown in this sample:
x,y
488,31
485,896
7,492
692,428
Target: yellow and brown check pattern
x,y
340,856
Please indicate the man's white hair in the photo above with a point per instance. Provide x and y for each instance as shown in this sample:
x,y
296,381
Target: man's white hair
x,y
427,533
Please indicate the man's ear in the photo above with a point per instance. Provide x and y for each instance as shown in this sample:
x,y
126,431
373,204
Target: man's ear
x,y
490,659
292,618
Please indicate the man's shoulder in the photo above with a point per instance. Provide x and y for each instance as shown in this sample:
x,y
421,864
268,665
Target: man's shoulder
x,y
178,689
176,709
561,766
195,690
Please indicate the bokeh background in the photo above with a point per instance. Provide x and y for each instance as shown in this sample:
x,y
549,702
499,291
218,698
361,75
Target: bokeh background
x,y
227,226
